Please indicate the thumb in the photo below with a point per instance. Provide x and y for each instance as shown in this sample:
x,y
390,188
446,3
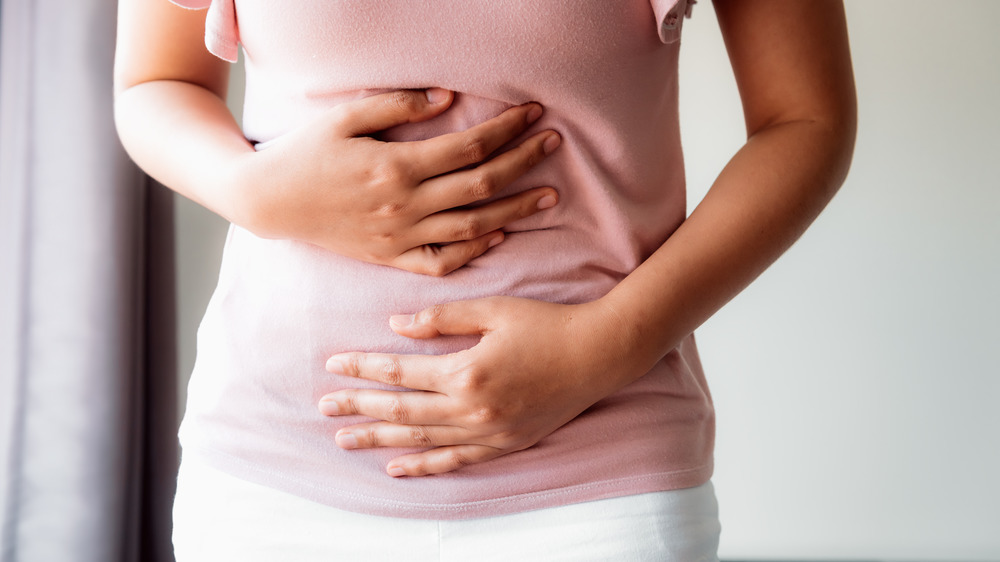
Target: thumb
x,y
460,318
383,111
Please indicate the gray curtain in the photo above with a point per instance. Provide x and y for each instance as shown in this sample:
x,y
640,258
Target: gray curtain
x,y
87,385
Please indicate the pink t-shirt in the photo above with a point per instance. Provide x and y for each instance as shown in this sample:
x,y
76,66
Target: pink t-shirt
x,y
606,73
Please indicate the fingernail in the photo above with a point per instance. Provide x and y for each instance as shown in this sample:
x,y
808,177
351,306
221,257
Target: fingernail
x,y
551,143
347,441
395,471
534,113
328,407
436,95
401,320
495,240
547,202
335,366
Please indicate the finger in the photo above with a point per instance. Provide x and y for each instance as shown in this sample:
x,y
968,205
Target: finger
x,y
385,405
439,260
469,186
460,236
441,460
457,318
382,111
418,372
445,153
465,224
384,434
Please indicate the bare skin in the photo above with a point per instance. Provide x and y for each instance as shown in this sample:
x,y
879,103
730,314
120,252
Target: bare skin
x,y
328,183
539,365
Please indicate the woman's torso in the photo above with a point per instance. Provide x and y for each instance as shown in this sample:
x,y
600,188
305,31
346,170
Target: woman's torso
x,y
282,308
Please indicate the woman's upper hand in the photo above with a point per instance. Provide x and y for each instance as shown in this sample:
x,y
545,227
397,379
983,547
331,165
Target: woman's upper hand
x,y
401,204
537,366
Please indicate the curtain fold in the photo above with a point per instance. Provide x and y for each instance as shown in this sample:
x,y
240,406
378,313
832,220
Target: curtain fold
x,y
87,391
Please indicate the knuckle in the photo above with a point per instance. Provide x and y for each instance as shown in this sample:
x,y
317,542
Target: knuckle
x,y
431,315
471,251
391,371
438,268
458,459
352,365
396,412
475,150
350,403
388,241
470,379
387,175
418,467
468,227
467,253
370,437
403,100
389,210
535,155
484,415
482,185
419,437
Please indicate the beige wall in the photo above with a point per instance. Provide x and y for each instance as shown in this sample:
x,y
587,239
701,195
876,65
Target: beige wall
x,y
855,382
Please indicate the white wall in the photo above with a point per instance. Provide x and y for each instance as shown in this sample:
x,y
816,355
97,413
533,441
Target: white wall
x,y
854,382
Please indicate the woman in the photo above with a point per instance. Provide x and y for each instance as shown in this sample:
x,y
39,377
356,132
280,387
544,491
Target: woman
x,y
482,204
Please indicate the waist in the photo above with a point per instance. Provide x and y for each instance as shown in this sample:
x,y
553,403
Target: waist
x,y
282,308
289,299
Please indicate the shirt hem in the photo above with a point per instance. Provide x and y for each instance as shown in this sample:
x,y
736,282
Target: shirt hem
x,y
385,507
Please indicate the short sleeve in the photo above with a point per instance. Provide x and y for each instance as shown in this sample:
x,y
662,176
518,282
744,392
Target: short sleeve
x,y
670,16
221,32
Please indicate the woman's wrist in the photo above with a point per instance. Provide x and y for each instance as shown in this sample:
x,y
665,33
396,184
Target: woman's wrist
x,y
617,337
240,195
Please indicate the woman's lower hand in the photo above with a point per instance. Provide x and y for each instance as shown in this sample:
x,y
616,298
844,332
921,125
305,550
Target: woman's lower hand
x,y
537,366
401,204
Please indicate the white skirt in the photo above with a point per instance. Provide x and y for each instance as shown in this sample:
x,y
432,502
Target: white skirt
x,y
218,517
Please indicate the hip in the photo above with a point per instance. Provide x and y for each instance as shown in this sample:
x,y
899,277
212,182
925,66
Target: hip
x,y
221,517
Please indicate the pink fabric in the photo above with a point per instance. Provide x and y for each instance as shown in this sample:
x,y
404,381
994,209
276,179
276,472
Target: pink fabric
x,y
670,16
221,36
608,83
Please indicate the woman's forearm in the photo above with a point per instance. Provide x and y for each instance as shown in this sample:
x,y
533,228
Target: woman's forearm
x,y
792,65
767,195
185,137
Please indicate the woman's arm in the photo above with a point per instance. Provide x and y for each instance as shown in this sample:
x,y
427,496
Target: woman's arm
x,y
538,365
327,183
793,69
